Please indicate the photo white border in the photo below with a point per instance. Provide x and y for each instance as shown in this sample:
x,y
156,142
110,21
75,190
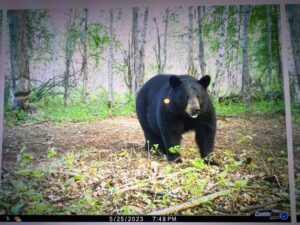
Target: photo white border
x,y
53,4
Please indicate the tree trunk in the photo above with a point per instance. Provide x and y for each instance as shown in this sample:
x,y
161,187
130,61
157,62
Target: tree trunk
x,y
269,51
200,43
69,50
293,12
135,45
278,43
191,67
128,73
221,51
246,79
157,49
236,52
142,42
84,69
165,41
110,60
19,59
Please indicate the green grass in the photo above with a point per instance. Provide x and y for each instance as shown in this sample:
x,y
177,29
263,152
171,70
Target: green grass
x,y
256,108
52,109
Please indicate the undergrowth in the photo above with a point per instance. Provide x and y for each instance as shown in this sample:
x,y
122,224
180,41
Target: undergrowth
x,y
52,109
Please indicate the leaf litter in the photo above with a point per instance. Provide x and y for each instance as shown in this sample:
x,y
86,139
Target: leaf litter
x,y
102,167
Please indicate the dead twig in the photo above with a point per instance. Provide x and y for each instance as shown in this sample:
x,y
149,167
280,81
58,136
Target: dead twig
x,y
250,209
191,204
132,187
162,193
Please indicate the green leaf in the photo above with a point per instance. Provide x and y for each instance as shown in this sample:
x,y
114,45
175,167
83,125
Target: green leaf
x,y
23,172
240,183
51,152
175,149
15,210
5,205
270,159
168,169
24,157
126,210
37,173
79,177
199,163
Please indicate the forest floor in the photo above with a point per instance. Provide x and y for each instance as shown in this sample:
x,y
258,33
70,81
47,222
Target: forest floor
x,y
101,167
296,149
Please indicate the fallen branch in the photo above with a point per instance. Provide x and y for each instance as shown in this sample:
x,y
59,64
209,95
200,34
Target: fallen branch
x,y
162,193
191,204
262,206
249,209
132,187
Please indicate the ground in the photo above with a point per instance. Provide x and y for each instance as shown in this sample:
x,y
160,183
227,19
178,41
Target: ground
x,y
101,167
296,149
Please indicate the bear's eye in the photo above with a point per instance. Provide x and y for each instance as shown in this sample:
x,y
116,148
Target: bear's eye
x,y
187,97
198,96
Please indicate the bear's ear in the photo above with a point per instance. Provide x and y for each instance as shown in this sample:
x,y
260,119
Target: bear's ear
x,y
174,81
204,81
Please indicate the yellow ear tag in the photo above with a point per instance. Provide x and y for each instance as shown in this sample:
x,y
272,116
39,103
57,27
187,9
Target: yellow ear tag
x,y
166,100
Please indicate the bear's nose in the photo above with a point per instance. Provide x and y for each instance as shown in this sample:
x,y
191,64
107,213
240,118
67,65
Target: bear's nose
x,y
195,111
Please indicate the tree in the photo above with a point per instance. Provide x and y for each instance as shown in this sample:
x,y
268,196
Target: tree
x,y
191,66
71,38
233,55
84,68
128,77
269,48
165,47
138,41
293,15
110,59
161,52
157,49
221,51
134,45
246,79
142,41
19,59
200,42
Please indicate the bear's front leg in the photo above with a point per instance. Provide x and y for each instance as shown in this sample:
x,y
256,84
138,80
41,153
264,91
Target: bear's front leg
x,y
205,137
171,140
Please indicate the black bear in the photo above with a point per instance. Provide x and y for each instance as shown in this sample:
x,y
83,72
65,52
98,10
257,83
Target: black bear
x,y
169,105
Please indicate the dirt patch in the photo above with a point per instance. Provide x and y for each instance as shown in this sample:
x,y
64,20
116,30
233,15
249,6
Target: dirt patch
x,y
125,132
251,152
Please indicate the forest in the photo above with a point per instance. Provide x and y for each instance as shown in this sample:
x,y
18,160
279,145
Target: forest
x,y
72,143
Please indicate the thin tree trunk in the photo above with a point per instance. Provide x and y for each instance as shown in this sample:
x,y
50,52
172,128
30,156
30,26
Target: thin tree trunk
x,y
110,59
19,58
128,73
200,43
165,41
141,68
158,49
235,49
278,42
293,12
246,79
269,51
69,50
135,45
191,67
84,58
221,51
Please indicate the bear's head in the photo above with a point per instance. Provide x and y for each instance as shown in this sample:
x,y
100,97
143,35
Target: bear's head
x,y
190,95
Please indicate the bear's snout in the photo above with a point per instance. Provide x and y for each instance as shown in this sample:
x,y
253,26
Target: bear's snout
x,y
195,111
